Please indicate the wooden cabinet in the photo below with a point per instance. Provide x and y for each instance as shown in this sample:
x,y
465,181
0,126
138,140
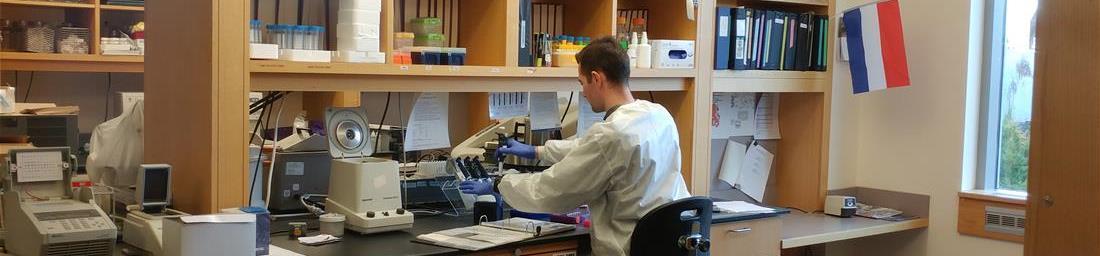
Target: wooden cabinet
x,y
746,238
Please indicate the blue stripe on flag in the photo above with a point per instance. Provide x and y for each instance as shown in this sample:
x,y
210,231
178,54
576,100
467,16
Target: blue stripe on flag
x,y
857,59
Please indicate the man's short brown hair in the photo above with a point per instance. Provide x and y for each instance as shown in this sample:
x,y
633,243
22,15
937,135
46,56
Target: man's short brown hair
x,y
605,55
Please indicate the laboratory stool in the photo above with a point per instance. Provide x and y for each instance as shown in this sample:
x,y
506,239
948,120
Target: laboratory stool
x,y
681,227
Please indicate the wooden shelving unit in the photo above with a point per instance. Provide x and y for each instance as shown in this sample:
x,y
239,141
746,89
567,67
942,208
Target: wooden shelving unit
x,y
25,61
800,168
268,75
321,69
822,3
89,14
770,81
205,91
122,8
48,4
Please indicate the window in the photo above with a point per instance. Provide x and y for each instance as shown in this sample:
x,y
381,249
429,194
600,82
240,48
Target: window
x,y
1006,117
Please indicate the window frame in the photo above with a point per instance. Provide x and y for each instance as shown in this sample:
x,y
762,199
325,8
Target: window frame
x,y
989,142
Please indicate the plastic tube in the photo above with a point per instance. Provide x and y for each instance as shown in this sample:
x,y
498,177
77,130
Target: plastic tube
x,y
321,38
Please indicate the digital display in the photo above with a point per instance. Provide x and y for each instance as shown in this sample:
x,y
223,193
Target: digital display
x,y
155,186
48,216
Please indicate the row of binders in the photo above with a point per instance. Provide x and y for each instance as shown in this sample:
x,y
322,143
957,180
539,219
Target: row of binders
x,y
749,39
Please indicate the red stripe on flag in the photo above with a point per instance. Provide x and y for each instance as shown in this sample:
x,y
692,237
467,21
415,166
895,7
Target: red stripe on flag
x,y
893,44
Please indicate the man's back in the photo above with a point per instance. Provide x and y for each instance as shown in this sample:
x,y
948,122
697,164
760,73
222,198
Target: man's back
x,y
645,172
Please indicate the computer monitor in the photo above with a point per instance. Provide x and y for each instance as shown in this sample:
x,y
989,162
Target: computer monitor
x,y
154,187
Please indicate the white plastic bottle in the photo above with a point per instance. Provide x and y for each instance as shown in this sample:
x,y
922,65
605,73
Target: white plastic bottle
x,y
645,52
632,51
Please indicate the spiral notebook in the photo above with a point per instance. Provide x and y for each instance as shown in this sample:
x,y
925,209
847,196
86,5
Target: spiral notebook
x,y
492,234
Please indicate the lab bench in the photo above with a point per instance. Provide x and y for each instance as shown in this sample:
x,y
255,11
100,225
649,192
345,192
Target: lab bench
x,y
401,242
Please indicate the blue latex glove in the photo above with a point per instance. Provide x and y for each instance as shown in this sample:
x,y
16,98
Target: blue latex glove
x,y
513,147
476,187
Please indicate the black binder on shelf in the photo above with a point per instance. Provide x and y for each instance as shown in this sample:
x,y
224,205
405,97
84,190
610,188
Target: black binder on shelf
x,y
526,54
822,44
803,42
773,46
758,29
790,55
742,20
723,26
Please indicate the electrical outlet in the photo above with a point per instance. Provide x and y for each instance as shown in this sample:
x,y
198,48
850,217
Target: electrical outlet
x,y
127,100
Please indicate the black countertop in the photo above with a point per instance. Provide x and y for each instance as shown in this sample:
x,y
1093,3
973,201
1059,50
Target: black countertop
x,y
401,242
724,217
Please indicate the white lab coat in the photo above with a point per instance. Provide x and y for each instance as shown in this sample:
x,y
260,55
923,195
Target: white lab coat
x,y
622,168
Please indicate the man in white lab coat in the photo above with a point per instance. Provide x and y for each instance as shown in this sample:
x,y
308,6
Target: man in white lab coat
x,y
622,167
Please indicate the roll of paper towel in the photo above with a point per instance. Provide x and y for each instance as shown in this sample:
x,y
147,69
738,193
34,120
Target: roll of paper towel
x,y
358,30
356,44
347,16
370,5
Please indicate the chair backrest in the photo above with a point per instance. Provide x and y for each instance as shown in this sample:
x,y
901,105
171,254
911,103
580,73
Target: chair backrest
x,y
661,230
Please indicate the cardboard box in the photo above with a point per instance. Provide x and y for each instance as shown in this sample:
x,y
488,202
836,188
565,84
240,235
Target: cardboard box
x,y
216,234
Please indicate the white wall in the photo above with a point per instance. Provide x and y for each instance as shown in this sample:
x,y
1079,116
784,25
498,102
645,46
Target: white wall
x,y
918,139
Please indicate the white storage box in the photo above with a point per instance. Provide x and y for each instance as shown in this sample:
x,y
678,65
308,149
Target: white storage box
x,y
305,55
358,30
358,57
359,16
357,44
369,5
218,234
673,53
263,51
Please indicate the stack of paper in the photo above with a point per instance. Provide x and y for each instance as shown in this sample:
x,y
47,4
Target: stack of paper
x,y
741,207
742,114
747,168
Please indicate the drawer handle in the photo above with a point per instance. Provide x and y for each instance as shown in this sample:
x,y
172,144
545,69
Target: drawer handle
x,y
740,230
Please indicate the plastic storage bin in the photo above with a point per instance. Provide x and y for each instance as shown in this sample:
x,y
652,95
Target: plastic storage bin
x,y
454,56
427,55
402,40
430,40
428,25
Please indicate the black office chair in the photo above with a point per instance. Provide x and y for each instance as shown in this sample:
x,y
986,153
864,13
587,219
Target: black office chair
x,y
681,227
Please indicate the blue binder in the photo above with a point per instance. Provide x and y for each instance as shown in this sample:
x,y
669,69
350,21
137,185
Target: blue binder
x,y
722,30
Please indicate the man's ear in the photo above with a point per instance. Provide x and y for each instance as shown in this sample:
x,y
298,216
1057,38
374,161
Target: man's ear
x,y
597,78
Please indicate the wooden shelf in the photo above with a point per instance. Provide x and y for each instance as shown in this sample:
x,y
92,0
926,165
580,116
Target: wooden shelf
x,y
823,3
122,8
48,4
770,81
26,61
271,75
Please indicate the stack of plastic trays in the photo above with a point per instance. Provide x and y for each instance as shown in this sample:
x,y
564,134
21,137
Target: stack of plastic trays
x,y
358,32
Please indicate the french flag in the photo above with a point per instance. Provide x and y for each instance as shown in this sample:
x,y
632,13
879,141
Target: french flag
x,y
876,47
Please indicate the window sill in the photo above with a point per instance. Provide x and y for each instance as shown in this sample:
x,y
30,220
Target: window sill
x,y
994,196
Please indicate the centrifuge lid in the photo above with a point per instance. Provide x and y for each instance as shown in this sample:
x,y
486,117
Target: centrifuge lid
x,y
348,133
